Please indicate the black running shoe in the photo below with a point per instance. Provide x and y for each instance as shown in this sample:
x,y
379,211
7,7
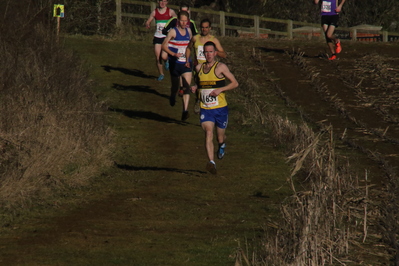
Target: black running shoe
x,y
185,115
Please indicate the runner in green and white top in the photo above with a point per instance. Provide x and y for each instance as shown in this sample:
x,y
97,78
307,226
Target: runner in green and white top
x,y
161,15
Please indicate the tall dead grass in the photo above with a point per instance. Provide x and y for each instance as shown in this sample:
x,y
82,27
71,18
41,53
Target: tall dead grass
x,y
52,130
375,70
329,211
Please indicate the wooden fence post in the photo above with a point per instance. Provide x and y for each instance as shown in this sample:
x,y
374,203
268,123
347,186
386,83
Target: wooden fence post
x,y
256,26
222,24
289,29
354,34
153,6
322,35
118,13
385,36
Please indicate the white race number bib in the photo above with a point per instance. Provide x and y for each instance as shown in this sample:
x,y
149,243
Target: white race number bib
x,y
207,100
326,7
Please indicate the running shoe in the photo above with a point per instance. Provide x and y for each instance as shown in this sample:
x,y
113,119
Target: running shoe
x,y
185,115
197,107
167,65
333,57
211,167
338,47
160,78
221,150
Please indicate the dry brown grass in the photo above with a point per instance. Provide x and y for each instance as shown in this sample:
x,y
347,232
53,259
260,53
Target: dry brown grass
x,y
330,213
376,72
52,130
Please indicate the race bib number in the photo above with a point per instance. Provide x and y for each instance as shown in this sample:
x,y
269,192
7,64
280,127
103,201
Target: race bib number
x,y
207,100
182,58
200,53
326,7
159,27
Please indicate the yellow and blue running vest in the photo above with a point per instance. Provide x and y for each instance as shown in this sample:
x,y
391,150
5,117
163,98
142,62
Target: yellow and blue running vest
x,y
208,82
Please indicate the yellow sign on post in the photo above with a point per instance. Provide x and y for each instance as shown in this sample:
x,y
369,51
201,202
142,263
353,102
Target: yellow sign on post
x,y
58,11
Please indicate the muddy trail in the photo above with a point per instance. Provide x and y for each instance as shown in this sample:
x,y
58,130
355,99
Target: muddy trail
x,y
357,94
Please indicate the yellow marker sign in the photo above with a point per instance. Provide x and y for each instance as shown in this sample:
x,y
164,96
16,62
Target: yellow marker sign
x,y
58,11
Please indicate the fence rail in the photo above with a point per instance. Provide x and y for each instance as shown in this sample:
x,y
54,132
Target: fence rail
x,y
259,27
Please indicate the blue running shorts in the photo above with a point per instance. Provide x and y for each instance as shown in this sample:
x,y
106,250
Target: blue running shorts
x,y
219,116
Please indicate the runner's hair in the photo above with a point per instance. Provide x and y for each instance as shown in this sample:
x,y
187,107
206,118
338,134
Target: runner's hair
x,y
183,13
209,43
206,20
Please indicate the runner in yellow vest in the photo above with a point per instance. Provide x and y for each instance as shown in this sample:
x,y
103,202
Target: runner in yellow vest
x,y
210,78
197,44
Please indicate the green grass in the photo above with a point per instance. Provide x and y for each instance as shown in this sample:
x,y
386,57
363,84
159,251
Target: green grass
x,y
157,205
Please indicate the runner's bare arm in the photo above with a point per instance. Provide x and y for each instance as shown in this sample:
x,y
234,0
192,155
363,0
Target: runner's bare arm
x,y
189,47
196,78
148,22
187,52
172,13
339,7
220,70
220,51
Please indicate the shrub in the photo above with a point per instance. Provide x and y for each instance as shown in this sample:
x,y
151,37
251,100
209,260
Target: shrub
x,y
52,130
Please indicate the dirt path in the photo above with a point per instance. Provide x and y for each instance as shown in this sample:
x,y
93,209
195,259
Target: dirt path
x,y
157,205
356,94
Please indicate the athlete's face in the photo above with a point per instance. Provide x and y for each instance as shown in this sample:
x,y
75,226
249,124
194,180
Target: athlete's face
x,y
205,28
210,53
163,3
183,20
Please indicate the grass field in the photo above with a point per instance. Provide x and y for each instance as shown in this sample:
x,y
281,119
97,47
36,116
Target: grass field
x,y
157,205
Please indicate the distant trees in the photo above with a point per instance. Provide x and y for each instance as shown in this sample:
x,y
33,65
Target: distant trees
x,y
382,13
97,16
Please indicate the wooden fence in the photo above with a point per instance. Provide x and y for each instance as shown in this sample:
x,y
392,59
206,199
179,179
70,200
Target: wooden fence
x,y
259,27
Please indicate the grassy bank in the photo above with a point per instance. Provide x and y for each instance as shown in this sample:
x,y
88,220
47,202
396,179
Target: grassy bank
x,y
158,205
53,136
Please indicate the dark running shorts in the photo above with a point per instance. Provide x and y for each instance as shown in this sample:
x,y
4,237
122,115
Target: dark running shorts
x,y
330,20
157,40
176,69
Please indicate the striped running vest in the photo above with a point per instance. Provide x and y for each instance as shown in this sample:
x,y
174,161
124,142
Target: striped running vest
x,y
179,45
